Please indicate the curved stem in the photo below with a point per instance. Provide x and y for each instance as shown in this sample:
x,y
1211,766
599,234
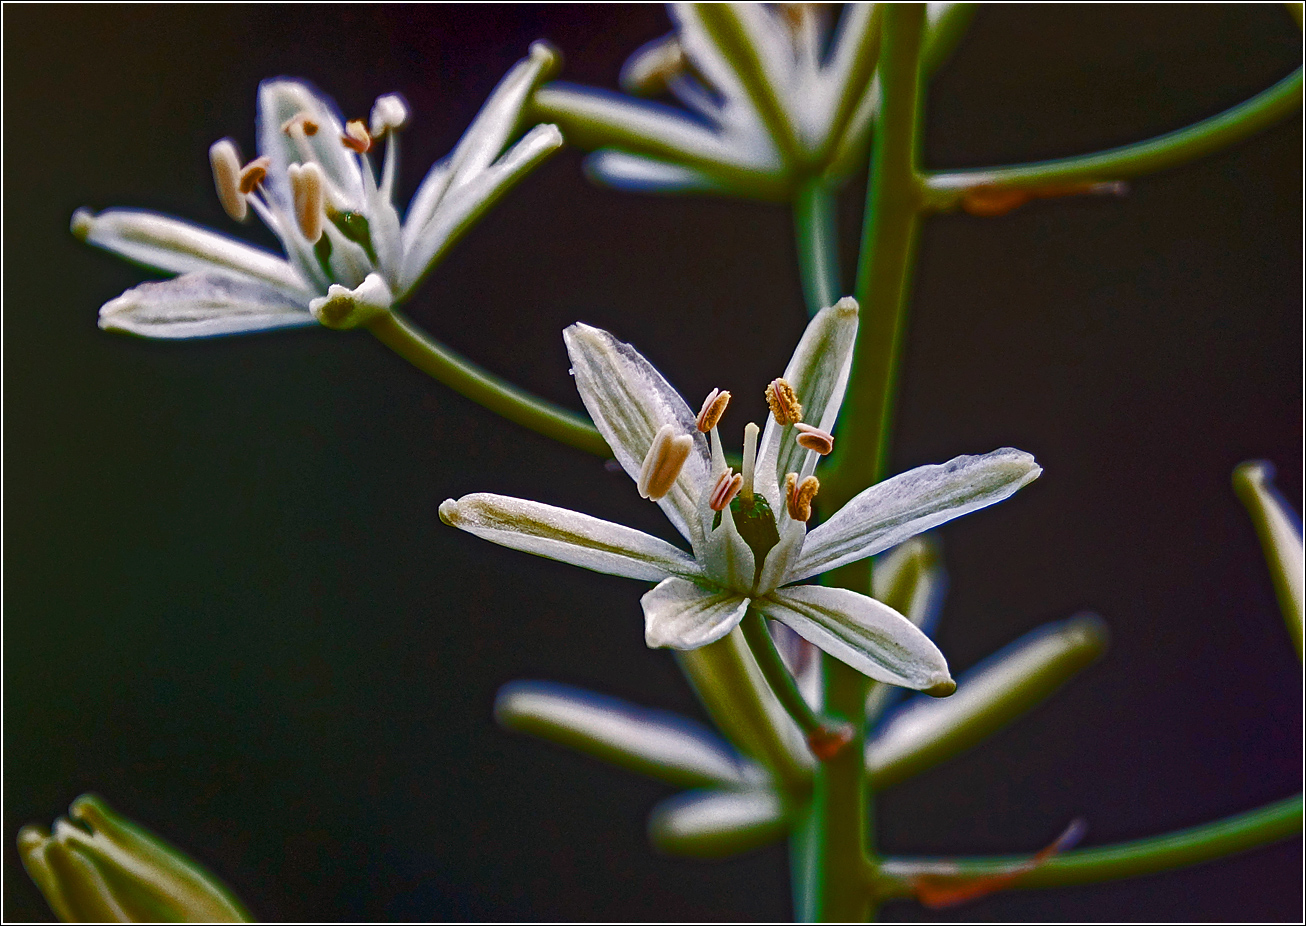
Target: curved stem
x,y
816,234
776,673
1142,856
499,396
1143,157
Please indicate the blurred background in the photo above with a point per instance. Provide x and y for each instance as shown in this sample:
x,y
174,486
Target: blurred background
x,y
230,607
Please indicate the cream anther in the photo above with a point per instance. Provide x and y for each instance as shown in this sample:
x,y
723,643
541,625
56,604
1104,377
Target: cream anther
x,y
662,464
389,112
784,404
810,438
800,495
750,459
307,188
356,137
253,174
714,406
225,160
650,69
726,488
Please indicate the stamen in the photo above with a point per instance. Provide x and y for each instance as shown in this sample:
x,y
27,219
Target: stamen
x,y
389,112
300,121
726,488
253,174
356,137
784,404
650,69
810,438
225,160
714,406
663,462
800,495
750,459
309,195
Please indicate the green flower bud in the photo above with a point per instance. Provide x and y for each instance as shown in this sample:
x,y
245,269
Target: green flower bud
x,y
101,867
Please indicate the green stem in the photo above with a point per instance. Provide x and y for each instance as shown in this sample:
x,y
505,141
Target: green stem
x,y
775,672
837,835
816,234
499,396
1128,859
1143,157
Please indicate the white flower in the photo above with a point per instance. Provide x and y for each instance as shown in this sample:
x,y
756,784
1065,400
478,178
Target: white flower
x,y
748,535
348,256
771,93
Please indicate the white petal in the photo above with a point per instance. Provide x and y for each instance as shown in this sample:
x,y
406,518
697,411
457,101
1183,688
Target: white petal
x,y
926,731
656,743
637,174
683,615
715,824
201,305
888,513
461,207
851,64
280,100
866,634
818,373
629,401
567,536
172,245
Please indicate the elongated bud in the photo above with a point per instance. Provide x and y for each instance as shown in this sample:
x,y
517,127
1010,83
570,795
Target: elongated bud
x,y
784,404
225,160
101,867
993,200
827,742
308,191
389,112
356,137
800,495
810,438
727,487
714,406
662,464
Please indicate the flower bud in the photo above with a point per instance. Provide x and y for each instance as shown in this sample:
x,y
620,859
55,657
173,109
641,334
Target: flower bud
x,y
101,867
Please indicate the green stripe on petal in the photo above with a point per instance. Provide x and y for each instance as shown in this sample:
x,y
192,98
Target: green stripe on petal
x,y
683,615
886,514
866,634
567,536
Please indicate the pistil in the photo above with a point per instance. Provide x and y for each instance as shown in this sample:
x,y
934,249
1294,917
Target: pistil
x,y
750,461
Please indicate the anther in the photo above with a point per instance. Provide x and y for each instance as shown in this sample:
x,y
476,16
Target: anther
x,y
389,112
649,70
800,495
662,464
225,160
810,438
714,406
356,137
727,487
784,404
253,174
301,121
308,192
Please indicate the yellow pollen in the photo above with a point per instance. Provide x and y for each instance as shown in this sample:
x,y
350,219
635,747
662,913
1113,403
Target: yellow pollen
x,y
662,464
714,406
784,404
800,495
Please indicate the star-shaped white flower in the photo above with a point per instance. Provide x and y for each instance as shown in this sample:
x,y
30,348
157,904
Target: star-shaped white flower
x,y
349,256
748,531
772,94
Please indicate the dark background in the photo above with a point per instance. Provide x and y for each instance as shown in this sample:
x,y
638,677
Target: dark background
x,y
231,609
